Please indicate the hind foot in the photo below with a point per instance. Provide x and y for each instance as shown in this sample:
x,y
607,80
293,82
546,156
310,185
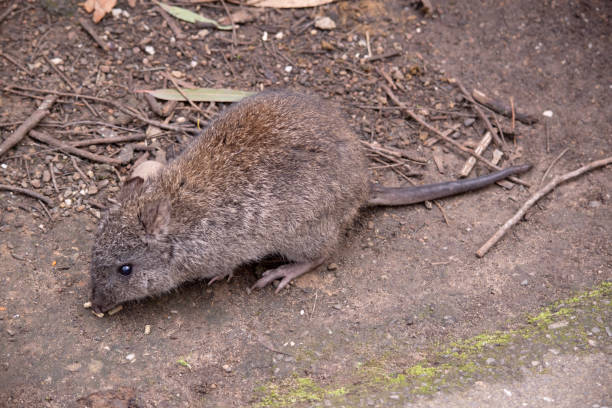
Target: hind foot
x,y
287,272
229,275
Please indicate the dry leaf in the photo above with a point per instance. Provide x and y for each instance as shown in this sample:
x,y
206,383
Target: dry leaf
x,y
241,16
99,8
284,3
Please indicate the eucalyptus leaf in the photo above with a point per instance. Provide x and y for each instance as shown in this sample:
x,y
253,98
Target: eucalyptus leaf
x,y
201,94
191,17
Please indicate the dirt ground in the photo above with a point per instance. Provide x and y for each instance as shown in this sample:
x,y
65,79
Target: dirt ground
x,y
405,281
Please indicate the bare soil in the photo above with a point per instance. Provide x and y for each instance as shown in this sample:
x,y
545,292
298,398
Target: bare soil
x,y
405,280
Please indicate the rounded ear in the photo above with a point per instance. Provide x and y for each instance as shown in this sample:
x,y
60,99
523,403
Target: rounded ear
x,y
131,187
155,217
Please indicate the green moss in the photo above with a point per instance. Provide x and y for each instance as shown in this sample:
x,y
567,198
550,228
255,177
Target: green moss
x,y
294,390
456,363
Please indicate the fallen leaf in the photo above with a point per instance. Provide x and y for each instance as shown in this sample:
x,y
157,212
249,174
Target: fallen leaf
x,y
191,17
99,8
201,94
284,3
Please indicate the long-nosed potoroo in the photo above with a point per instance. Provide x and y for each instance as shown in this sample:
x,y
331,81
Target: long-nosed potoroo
x,y
277,173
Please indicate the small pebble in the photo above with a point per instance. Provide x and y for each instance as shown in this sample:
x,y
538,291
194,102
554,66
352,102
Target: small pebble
x,y
324,23
507,392
227,368
469,122
147,329
149,50
548,113
490,360
592,343
114,310
87,305
35,183
525,282
535,363
130,357
592,204
332,267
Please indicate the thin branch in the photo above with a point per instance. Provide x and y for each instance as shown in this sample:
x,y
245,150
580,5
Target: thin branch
x,y
43,137
444,137
467,95
27,192
553,163
535,197
28,124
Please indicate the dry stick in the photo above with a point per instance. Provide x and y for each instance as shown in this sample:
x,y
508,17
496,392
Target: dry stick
x,y
53,177
386,77
446,138
130,111
480,113
14,62
394,152
92,32
553,163
471,162
27,192
8,11
502,107
178,33
28,124
78,169
70,84
71,149
179,90
231,20
108,140
383,56
534,198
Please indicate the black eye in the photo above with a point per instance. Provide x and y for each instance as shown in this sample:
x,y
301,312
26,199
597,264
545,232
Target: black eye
x,y
125,270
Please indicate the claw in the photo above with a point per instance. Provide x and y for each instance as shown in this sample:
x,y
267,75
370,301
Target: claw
x,y
287,272
229,275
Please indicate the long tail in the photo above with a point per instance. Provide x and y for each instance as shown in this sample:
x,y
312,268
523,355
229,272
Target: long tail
x,y
380,195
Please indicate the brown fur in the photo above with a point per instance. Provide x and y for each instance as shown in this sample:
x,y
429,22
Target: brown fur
x,y
278,173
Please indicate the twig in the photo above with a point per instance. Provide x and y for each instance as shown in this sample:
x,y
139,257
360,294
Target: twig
x,y
383,56
179,90
444,137
28,124
130,111
52,173
513,113
386,77
535,197
71,149
369,47
502,108
8,11
231,20
267,344
442,211
471,161
394,152
92,32
14,62
553,163
314,305
178,33
108,140
78,169
26,192
480,113
69,83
